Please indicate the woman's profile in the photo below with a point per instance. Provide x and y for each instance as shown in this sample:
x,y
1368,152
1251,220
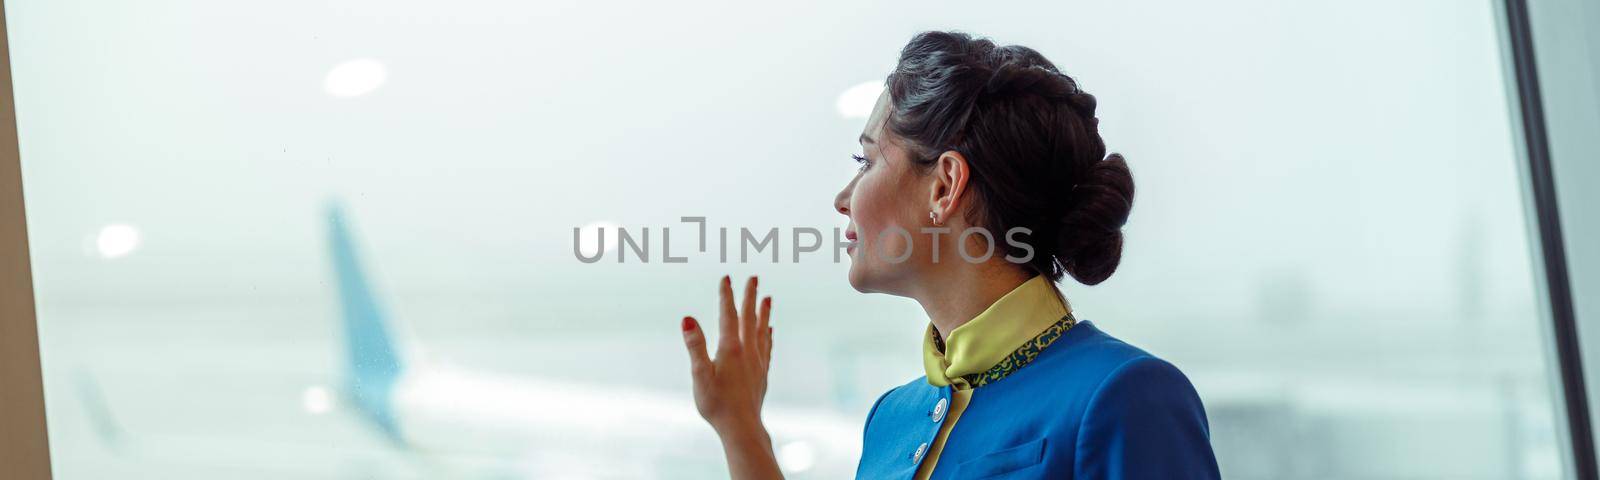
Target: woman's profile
x,y
975,148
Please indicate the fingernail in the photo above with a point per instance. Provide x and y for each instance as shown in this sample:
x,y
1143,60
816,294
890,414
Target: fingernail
x,y
727,280
688,324
755,281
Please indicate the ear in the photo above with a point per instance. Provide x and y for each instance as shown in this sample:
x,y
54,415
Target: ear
x,y
950,174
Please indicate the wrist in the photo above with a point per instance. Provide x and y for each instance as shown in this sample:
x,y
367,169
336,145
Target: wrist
x,y
748,447
744,432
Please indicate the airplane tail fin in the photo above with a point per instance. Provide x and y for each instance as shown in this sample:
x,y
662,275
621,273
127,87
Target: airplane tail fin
x,y
98,410
372,358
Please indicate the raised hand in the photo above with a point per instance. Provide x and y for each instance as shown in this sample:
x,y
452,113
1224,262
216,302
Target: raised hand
x,y
729,390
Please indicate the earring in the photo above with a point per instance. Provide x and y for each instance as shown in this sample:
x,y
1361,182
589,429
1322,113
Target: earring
x,y
933,216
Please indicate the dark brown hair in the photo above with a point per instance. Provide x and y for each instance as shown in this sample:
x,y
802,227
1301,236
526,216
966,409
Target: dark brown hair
x,y
1031,141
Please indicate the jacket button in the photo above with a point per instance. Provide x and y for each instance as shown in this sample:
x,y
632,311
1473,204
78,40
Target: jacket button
x,y
938,410
917,455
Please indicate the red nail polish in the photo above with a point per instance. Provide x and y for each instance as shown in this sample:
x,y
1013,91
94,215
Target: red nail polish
x,y
688,324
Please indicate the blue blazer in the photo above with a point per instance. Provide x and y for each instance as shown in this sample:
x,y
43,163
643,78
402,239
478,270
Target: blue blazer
x,y
1088,407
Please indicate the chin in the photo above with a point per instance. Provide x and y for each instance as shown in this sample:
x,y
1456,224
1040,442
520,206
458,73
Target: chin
x,y
854,277
858,277
869,280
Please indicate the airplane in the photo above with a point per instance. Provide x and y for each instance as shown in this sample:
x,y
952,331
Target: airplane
x,y
519,427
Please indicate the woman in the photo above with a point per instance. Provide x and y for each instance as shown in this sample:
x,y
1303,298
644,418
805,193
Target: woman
x,y
970,136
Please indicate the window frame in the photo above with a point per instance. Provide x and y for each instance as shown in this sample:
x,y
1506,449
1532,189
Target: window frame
x,y
1538,41
24,444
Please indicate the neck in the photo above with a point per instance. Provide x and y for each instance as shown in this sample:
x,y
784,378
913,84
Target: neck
x,y
954,296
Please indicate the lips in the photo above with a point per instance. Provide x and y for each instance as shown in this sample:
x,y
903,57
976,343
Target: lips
x,y
850,235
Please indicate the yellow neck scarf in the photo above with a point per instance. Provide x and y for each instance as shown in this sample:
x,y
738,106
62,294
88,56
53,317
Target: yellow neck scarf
x,y
1009,323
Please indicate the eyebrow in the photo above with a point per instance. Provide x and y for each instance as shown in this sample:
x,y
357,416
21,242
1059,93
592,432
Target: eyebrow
x,y
866,139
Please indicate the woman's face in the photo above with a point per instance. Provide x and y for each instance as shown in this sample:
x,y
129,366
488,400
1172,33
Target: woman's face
x,y
887,196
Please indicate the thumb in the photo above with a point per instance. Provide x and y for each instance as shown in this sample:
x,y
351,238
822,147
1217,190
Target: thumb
x,y
695,340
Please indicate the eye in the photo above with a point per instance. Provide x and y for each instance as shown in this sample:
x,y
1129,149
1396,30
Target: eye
x,y
862,160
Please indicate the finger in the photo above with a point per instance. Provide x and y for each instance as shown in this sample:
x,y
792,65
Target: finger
x,y
730,318
695,341
748,335
768,352
764,326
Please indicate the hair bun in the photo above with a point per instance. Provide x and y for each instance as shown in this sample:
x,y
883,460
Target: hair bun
x,y
1032,141
1089,243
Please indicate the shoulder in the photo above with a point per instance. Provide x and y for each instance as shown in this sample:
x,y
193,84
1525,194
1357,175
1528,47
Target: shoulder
x,y
1119,368
1142,383
1142,414
1112,375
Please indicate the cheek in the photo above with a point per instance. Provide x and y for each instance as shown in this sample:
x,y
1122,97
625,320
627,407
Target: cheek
x,y
876,208
870,205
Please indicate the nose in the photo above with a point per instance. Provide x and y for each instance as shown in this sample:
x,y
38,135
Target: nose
x,y
841,202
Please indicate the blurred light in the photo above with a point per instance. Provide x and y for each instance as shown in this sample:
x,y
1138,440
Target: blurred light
x,y
355,78
796,457
857,101
587,237
316,400
116,240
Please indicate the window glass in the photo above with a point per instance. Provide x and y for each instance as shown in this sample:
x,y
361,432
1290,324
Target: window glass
x,y
335,239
